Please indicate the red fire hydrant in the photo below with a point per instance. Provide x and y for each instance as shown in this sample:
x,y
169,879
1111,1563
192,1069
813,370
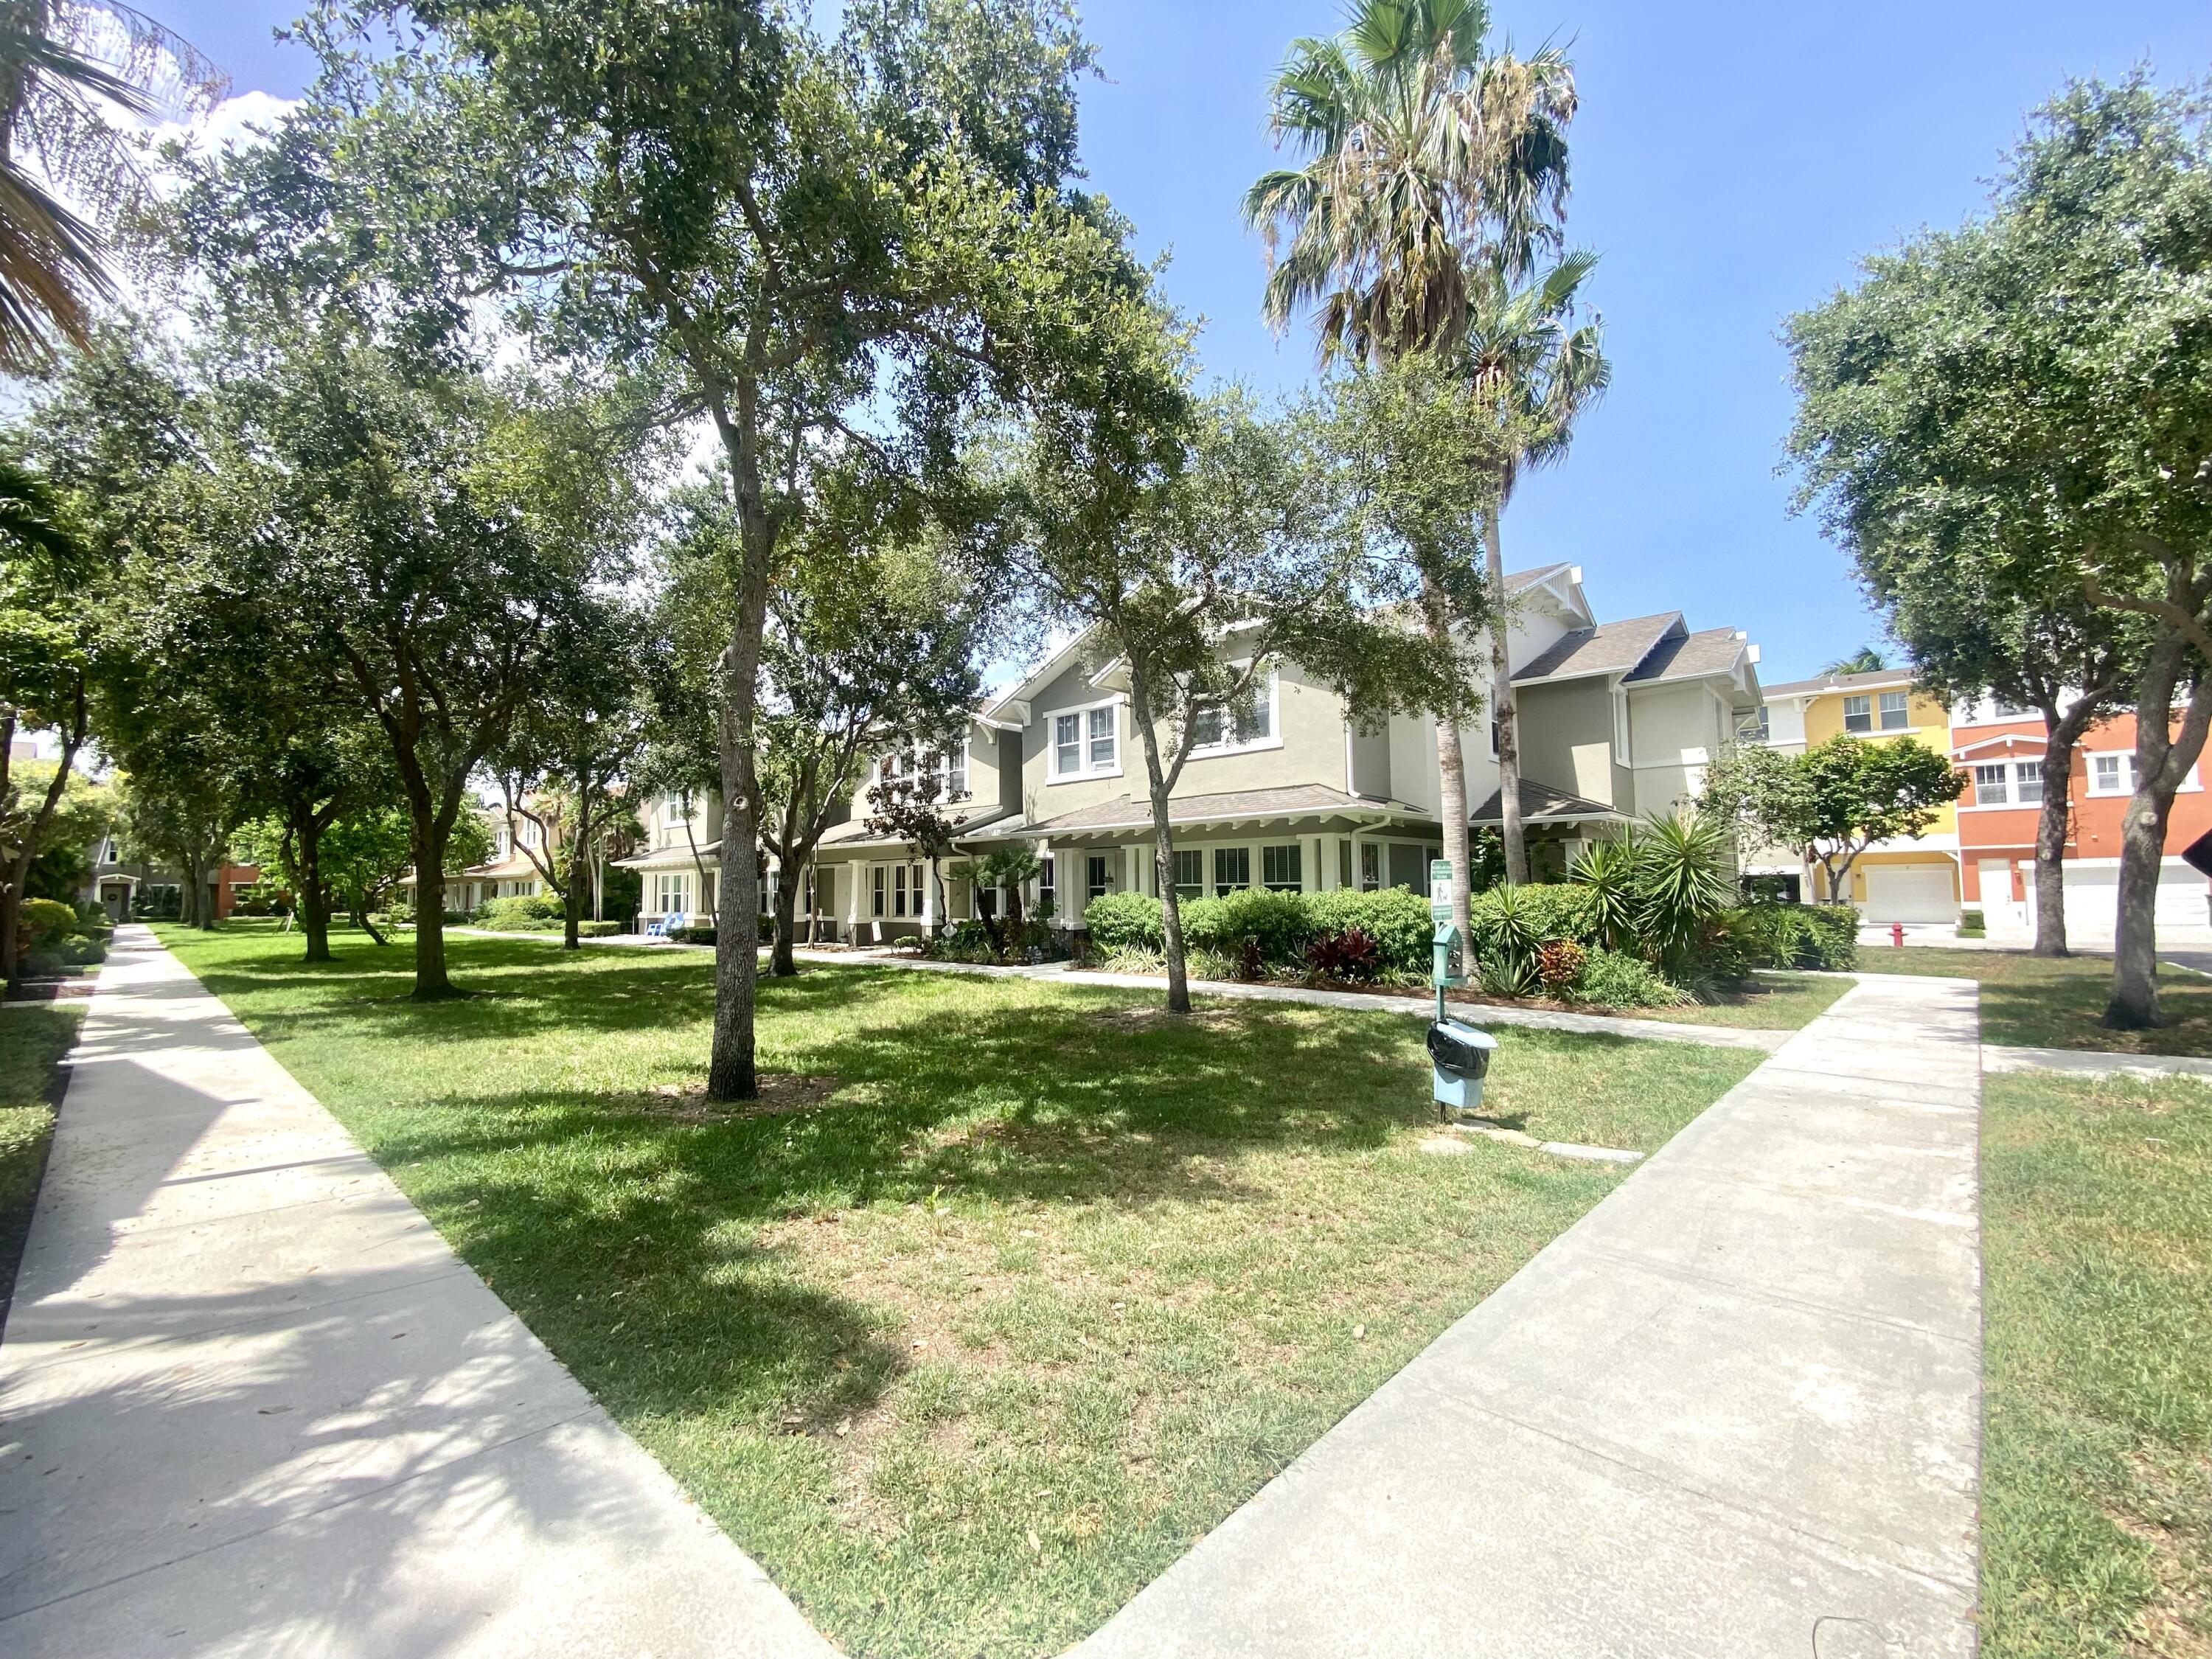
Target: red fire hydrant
x,y
1897,935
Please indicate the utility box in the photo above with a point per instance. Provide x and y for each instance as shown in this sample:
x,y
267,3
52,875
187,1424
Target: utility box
x,y
1451,964
1459,1059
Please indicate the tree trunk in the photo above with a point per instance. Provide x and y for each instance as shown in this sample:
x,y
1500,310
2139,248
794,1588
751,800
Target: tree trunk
x,y
1502,710
357,906
1451,788
731,1071
2062,733
1159,784
431,982
572,913
2162,759
780,965
311,903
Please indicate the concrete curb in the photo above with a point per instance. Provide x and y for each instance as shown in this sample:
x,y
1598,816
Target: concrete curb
x,y
2084,1062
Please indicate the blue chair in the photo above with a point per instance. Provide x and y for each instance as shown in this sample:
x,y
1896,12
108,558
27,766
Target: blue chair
x,y
656,928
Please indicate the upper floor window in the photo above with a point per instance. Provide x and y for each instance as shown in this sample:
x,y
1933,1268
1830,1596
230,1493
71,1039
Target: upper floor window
x,y
2000,709
1086,742
1992,787
2029,777
2112,774
1214,726
1754,727
1858,713
1895,715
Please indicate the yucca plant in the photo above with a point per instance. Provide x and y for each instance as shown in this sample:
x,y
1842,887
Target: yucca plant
x,y
1607,872
1682,883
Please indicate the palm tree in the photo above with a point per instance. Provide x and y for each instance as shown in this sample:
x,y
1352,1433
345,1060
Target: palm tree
x,y
1536,368
1428,163
66,68
1864,660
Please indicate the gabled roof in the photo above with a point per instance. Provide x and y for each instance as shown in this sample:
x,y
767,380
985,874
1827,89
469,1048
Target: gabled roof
x,y
1613,647
1690,656
1541,804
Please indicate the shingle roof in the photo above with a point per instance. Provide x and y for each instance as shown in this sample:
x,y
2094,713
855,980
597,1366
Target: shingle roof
x,y
1293,801
854,832
1540,801
1842,682
1612,648
1686,656
1517,579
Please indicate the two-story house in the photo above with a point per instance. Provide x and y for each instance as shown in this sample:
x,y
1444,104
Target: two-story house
x,y
1617,722
1908,878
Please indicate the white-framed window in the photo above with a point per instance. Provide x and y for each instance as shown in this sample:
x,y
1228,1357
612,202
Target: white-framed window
x,y
1858,713
1992,784
1281,868
1189,873
2027,776
1216,729
2113,773
1896,715
1370,867
1098,876
880,891
670,894
1086,743
1046,867
1232,869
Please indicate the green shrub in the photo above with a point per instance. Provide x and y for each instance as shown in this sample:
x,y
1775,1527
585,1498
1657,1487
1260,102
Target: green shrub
x,y
1514,920
598,929
705,935
42,921
44,963
520,912
1613,979
1397,919
1279,922
1136,959
964,941
1818,936
1127,922
1972,924
1682,887
1607,875
79,951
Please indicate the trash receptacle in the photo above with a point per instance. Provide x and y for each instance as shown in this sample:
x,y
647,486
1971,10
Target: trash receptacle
x,y
1459,1059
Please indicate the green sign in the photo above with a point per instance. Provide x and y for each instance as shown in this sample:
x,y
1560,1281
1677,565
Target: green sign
x,y
1440,905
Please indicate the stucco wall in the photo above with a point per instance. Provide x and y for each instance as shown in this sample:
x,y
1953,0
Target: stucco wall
x,y
1566,736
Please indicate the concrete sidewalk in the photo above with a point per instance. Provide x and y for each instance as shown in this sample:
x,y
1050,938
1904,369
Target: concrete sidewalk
x,y
252,1404
1733,1412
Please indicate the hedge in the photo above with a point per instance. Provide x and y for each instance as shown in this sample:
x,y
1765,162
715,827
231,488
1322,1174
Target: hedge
x,y
520,911
1283,923
1823,936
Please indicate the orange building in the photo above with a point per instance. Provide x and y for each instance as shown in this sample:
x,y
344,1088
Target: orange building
x,y
2000,752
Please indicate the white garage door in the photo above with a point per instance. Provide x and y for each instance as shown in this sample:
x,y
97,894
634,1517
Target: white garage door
x,y
1910,893
2092,897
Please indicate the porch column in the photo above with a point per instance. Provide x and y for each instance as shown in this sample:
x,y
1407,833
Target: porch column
x,y
858,881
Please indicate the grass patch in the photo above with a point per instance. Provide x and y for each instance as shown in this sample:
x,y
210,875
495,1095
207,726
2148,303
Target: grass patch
x,y
1772,1002
34,1039
2043,1002
2097,1469
968,1347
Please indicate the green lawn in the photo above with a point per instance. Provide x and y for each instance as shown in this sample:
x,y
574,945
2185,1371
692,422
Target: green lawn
x,y
2097,1469
1772,1002
2037,1002
1025,1287
34,1039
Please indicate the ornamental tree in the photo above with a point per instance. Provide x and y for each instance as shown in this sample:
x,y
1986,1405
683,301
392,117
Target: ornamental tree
x,y
1833,802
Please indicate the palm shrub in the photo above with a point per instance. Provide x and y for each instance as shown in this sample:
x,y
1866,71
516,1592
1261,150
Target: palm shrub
x,y
1606,873
1683,884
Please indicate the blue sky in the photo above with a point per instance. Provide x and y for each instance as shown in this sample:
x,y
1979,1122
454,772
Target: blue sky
x,y
1731,163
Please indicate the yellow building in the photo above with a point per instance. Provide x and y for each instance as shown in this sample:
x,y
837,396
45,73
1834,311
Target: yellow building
x,y
1914,879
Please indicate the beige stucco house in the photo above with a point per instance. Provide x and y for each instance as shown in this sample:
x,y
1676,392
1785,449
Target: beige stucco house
x,y
1617,722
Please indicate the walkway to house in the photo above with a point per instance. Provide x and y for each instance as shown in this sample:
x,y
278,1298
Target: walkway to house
x,y
250,1403
1735,1410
